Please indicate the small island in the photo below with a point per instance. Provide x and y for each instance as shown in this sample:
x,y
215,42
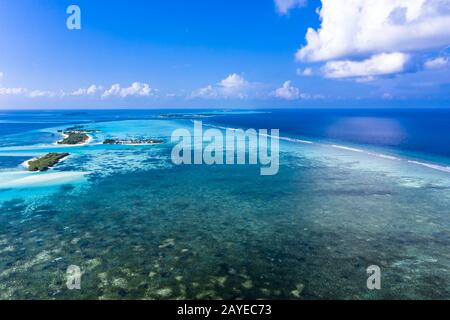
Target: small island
x,y
46,162
73,138
76,135
133,141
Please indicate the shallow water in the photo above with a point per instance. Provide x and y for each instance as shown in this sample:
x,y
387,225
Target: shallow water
x,y
141,227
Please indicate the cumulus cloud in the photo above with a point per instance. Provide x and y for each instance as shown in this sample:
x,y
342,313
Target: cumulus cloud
x,y
136,89
284,6
233,86
93,89
233,81
368,27
436,63
380,64
287,92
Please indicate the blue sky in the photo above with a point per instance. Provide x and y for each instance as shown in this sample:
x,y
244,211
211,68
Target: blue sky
x,y
217,53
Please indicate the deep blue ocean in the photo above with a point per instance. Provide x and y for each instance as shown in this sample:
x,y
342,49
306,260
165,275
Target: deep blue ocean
x,y
355,188
424,131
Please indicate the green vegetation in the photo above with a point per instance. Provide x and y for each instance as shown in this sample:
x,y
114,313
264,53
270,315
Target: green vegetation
x,y
74,138
110,141
46,162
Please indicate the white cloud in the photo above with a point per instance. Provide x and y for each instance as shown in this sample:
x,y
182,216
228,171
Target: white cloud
x,y
139,89
233,81
93,89
233,86
206,92
136,89
113,91
79,92
12,91
283,6
42,93
381,64
305,72
1,75
355,27
30,94
287,92
436,63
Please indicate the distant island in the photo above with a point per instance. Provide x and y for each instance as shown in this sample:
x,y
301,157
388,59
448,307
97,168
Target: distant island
x,y
75,114
79,129
45,162
188,115
133,141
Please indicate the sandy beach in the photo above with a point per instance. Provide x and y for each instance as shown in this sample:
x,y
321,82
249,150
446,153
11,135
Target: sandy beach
x,y
26,164
22,179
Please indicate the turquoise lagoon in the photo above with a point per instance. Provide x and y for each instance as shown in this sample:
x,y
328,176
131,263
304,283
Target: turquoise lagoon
x,y
141,227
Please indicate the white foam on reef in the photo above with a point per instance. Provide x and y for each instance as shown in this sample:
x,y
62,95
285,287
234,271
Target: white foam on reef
x,y
265,135
23,179
389,157
375,154
296,140
384,156
431,166
347,148
353,149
